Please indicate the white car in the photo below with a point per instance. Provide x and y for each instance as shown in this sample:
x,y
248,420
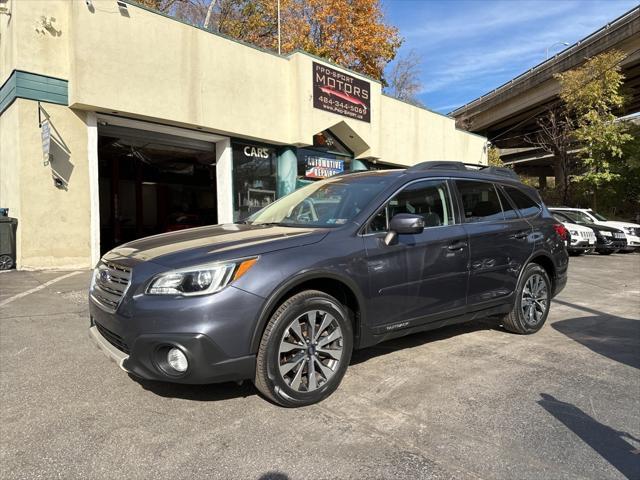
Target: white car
x,y
583,239
631,230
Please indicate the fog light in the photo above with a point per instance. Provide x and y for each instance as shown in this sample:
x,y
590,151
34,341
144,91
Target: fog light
x,y
177,360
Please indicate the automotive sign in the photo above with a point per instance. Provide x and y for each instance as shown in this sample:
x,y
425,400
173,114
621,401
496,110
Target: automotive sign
x,y
320,167
340,93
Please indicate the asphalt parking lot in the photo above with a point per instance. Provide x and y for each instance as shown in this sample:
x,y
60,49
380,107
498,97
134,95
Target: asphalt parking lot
x,y
471,401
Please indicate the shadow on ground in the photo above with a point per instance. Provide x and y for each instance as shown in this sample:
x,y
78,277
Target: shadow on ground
x,y
199,393
610,444
611,336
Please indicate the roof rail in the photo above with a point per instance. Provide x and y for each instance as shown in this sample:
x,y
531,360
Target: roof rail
x,y
465,167
501,172
436,165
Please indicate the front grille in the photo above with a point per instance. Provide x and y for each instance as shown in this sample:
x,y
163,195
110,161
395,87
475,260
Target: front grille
x,y
110,284
113,338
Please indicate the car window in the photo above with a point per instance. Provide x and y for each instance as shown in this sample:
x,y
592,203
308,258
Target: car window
x,y
577,216
597,216
429,198
327,203
526,205
480,201
507,208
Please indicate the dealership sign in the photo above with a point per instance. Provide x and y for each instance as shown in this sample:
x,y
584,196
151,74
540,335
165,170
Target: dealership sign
x,y
320,167
340,93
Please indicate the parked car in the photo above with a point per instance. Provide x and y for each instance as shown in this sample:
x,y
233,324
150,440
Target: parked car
x,y
630,230
283,299
581,239
608,239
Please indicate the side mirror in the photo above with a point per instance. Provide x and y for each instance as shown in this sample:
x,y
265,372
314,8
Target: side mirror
x,y
404,224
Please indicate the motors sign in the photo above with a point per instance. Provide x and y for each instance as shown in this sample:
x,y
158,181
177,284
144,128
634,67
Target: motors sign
x,y
337,92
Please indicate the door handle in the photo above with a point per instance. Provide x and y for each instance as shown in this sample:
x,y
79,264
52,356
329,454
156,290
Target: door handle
x,y
520,235
459,245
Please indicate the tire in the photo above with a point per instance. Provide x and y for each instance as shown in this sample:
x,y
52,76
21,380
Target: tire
x,y
575,253
516,320
605,252
6,262
295,368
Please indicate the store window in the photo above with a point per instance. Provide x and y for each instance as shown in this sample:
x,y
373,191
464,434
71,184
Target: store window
x,y
254,178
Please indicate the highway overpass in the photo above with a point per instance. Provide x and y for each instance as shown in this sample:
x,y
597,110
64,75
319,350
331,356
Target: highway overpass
x,y
507,114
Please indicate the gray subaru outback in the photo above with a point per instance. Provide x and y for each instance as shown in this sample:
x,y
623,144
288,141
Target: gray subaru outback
x,y
284,297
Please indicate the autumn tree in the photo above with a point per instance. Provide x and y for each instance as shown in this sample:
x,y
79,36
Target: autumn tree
x,y
493,157
591,95
404,79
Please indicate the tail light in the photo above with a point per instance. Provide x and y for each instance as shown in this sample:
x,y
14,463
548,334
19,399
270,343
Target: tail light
x,y
561,230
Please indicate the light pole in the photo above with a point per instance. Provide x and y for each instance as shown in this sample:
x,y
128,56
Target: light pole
x,y
566,44
279,40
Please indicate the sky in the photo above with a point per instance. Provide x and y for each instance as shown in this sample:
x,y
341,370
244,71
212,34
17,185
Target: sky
x,y
469,47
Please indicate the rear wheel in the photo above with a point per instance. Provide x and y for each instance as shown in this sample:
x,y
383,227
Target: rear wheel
x,y
531,307
305,350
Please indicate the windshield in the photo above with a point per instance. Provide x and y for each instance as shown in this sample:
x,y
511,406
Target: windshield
x,y
577,217
598,216
327,203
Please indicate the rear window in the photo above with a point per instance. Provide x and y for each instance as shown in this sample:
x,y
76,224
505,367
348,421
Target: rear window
x,y
526,205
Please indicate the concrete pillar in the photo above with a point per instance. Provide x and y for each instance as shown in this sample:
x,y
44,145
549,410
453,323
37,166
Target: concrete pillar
x,y
286,171
358,165
224,180
542,182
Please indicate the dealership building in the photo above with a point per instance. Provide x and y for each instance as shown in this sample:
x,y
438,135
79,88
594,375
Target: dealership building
x,y
117,122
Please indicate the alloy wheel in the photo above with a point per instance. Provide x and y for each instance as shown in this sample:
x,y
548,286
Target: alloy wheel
x,y
310,350
535,299
6,262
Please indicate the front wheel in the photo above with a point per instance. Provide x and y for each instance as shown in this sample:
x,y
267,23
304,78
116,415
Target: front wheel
x,y
531,306
305,350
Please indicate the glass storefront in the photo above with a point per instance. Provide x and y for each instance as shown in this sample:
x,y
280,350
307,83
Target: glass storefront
x,y
254,178
327,157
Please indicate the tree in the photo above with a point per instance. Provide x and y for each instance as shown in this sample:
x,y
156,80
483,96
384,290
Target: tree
x,y
591,95
404,79
493,157
350,33
555,136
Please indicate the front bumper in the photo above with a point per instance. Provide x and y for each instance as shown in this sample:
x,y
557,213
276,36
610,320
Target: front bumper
x,y
610,245
633,243
214,332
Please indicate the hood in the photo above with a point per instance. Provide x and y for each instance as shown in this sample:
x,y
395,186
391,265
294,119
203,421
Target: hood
x,y
605,227
576,227
615,224
212,243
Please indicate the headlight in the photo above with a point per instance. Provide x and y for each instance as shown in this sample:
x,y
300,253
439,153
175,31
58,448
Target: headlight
x,y
628,230
199,280
605,233
574,232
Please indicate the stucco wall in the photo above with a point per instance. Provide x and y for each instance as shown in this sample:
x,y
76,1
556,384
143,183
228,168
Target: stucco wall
x,y
143,65
54,224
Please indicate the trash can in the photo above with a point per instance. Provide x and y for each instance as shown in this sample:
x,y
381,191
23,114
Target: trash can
x,y
8,227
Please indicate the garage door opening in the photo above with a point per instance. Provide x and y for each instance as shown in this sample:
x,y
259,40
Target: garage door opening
x,y
152,183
